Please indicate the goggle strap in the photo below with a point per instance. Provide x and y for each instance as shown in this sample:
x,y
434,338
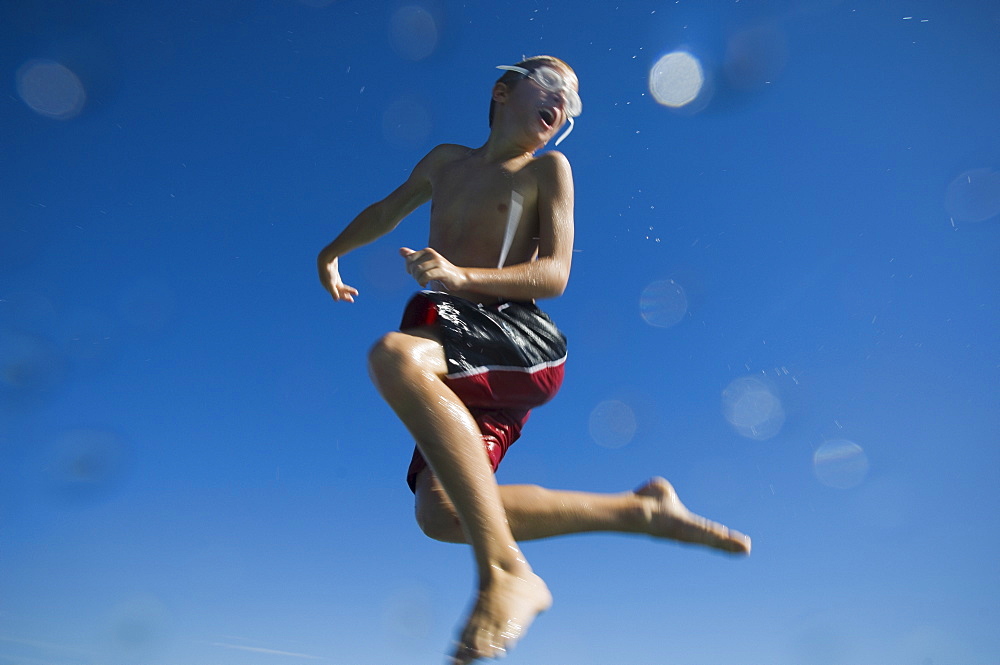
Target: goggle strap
x,y
568,130
512,68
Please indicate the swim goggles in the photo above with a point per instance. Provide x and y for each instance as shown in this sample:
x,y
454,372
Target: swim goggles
x,y
551,80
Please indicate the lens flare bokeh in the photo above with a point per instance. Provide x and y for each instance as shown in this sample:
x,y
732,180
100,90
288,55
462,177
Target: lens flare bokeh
x,y
51,89
840,464
974,196
612,424
663,303
752,406
676,79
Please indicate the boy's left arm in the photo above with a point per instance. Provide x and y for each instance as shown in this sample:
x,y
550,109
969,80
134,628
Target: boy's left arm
x,y
547,275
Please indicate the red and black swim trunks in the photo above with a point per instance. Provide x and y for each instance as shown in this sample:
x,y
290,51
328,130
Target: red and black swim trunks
x,y
503,360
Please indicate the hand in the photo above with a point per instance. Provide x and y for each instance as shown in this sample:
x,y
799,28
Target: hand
x,y
329,275
426,265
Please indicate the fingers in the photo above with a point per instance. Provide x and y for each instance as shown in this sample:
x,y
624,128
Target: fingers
x,y
414,256
342,291
421,265
329,276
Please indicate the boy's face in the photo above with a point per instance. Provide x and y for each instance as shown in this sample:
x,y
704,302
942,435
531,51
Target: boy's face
x,y
539,111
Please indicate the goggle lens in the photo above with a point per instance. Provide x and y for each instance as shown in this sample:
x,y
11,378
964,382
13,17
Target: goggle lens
x,y
552,81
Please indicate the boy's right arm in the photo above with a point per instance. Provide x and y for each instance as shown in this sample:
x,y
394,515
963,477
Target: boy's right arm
x,y
374,222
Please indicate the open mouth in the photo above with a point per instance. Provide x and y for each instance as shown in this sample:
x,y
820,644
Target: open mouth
x,y
548,116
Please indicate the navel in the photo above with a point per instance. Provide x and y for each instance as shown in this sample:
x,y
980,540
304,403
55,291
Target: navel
x,y
502,207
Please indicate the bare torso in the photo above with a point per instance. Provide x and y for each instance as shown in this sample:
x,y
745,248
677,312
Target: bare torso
x,y
471,204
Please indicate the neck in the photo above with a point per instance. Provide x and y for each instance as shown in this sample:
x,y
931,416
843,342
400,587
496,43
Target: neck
x,y
499,153
505,145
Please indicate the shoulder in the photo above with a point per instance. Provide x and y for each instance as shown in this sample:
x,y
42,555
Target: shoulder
x,y
446,152
439,157
552,164
552,168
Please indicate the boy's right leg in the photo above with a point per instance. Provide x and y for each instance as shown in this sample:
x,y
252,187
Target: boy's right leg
x,y
409,368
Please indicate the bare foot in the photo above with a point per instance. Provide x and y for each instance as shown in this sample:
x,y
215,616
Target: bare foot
x,y
668,518
504,609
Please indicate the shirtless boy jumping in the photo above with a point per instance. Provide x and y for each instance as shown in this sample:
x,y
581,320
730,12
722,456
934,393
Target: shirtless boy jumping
x,y
474,354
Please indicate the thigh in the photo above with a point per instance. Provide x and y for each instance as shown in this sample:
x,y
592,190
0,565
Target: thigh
x,y
415,347
425,344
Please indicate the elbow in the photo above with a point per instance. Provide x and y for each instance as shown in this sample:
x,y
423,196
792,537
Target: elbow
x,y
562,278
556,285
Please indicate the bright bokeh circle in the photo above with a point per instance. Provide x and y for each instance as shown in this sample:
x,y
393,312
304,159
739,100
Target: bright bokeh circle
x,y
676,79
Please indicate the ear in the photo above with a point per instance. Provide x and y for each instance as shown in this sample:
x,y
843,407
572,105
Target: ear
x,y
500,92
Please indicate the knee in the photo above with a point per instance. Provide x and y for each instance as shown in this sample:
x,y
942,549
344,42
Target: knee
x,y
388,358
438,520
441,526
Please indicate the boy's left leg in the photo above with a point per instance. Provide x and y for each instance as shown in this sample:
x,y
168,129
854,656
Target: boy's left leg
x,y
535,512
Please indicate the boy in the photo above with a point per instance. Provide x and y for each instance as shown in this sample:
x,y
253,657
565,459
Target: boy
x,y
474,354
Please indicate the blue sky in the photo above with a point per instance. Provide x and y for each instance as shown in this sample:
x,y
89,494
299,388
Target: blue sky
x,y
784,299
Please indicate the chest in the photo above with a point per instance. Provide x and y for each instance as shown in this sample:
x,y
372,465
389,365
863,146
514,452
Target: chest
x,y
473,207
464,190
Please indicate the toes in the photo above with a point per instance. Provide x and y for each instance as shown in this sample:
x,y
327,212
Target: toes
x,y
465,654
479,647
740,542
730,540
671,519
